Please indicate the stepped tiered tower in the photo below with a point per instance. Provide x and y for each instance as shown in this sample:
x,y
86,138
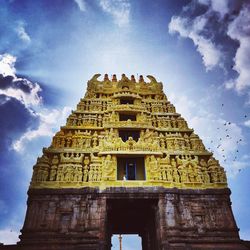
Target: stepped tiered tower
x,y
126,162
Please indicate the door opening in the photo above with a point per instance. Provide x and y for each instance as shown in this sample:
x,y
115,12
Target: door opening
x,y
133,216
130,168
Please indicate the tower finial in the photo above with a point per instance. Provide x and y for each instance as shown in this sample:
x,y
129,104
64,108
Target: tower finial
x,y
132,78
114,79
141,78
106,77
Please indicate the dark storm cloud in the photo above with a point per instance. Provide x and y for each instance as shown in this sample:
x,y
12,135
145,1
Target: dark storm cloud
x,y
17,98
14,120
19,83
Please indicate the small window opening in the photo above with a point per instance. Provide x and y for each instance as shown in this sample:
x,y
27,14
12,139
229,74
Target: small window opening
x,y
126,101
125,134
125,117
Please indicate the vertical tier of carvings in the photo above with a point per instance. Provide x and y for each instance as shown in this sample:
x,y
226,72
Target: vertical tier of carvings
x,y
85,151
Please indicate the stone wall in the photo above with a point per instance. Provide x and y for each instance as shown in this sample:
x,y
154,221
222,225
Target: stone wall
x,y
77,219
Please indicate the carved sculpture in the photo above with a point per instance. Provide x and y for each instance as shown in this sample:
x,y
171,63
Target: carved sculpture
x,y
94,129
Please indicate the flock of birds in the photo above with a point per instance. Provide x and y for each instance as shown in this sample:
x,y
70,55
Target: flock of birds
x,y
225,129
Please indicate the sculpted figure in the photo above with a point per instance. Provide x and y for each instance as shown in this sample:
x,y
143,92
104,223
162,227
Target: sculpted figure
x,y
108,168
191,173
213,167
130,143
170,144
155,145
85,173
86,161
95,141
183,174
78,173
176,175
41,169
91,174
169,173
68,173
164,164
199,176
176,144
88,143
154,168
60,174
206,177
96,172
113,117
222,175
119,144
53,173
173,163
214,174
163,172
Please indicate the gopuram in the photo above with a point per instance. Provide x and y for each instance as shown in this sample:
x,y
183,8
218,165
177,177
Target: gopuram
x,y
127,163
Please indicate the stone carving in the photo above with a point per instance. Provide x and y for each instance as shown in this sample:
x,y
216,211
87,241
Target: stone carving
x,y
87,148
41,169
109,166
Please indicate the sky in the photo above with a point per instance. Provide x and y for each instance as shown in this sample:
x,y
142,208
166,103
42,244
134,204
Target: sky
x,y
198,49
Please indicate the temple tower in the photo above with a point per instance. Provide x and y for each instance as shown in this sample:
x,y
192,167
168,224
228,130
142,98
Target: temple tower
x,y
126,162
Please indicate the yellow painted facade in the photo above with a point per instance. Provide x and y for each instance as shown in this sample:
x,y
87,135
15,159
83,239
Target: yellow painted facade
x,y
119,122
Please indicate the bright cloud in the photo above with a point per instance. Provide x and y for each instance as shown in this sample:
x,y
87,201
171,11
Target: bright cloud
x,y
118,9
7,65
27,99
21,89
211,55
247,123
9,236
239,29
49,121
81,4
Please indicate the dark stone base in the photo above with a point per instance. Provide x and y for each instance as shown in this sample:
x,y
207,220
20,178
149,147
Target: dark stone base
x,y
166,219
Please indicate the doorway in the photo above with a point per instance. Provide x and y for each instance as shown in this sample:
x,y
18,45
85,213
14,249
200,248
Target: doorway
x,y
130,168
133,216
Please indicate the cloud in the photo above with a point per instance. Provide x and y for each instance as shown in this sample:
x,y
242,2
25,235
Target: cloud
x,y
247,123
7,65
239,29
220,30
81,4
219,6
19,88
9,236
211,55
22,34
118,9
23,114
48,121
